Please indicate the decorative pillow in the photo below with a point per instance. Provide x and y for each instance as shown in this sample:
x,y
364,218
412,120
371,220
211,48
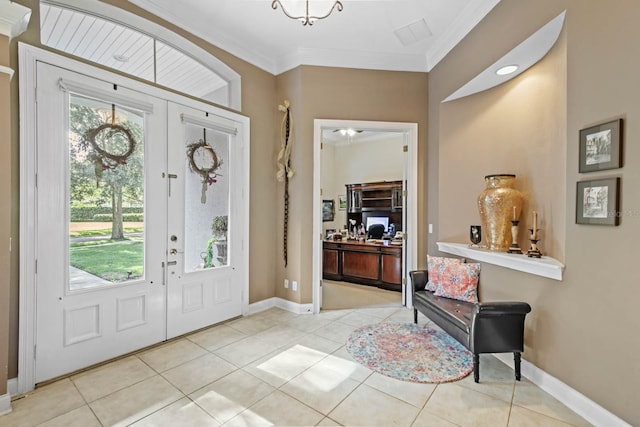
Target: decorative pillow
x,y
435,267
459,281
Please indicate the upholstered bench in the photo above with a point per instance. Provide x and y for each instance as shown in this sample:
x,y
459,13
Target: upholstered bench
x,y
482,327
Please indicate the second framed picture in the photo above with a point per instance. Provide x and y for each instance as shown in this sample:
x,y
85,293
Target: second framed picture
x,y
328,210
601,147
598,202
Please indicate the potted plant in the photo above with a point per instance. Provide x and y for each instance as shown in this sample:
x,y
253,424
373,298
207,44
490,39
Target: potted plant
x,y
219,229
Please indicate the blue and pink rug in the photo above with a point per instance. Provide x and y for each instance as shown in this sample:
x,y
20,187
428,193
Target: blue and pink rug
x,y
410,352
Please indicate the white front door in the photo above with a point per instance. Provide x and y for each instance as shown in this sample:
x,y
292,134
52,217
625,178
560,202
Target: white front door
x,y
205,229
99,289
129,250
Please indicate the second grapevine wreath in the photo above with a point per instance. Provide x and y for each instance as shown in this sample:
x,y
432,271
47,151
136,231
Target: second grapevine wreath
x,y
204,161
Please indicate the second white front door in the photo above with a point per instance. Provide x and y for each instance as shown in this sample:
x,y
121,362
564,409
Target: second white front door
x,y
205,220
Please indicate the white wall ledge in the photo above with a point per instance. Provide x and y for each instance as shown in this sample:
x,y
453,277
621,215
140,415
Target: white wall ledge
x,y
545,266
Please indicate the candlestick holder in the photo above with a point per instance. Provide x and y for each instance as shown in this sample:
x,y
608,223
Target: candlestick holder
x,y
514,248
533,251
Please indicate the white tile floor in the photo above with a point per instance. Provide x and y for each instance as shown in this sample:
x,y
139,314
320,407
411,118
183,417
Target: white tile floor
x,y
278,368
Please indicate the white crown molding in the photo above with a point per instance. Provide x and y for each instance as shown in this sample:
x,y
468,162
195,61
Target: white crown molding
x,y
352,59
212,36
13,18
475,12
571,398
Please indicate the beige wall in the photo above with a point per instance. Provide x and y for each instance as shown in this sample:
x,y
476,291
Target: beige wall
x,y
5,211
344,94
579,330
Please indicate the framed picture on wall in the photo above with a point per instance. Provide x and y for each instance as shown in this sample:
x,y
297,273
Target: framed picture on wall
x,y
601,147
598,202
327,210
342,202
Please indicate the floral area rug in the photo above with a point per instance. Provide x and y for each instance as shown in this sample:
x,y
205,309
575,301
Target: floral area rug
x,y
410,352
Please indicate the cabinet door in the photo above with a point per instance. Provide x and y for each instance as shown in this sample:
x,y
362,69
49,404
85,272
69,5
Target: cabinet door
x,y
330,262
396,198
354,200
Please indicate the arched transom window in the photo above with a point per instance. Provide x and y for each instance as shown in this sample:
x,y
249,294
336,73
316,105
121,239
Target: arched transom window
x,y
124,47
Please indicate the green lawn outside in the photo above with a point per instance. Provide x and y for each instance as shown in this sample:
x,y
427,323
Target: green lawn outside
x,y
109,259
103,232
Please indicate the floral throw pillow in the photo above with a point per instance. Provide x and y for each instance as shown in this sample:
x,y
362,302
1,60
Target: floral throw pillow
x,y
459,281
435,267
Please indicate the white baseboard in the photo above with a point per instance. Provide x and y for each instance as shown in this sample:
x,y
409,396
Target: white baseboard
x,y
5,404
12,387
284,304
572,399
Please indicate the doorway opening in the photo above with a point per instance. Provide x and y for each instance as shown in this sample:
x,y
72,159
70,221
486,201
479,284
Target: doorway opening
x,y
364,179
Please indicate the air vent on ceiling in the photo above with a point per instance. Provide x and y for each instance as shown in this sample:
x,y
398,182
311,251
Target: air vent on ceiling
x,y
414,32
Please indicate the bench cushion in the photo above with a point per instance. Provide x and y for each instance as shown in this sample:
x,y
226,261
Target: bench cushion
x,y
451,315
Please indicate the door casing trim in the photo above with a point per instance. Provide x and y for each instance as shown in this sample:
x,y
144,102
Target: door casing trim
x,y
411,132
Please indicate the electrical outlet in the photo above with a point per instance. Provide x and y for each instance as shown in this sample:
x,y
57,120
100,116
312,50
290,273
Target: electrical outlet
x,y
294,286
430,228
286,283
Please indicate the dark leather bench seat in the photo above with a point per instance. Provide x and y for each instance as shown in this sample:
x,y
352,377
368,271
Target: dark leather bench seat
x,y
494,327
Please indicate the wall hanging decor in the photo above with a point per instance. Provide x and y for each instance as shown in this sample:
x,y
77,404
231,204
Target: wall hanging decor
x,y
601,147
598,201
498,204
328,210
285,171
110,145
204,161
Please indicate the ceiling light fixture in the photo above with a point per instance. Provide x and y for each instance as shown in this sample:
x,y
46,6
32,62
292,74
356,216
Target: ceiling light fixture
x,y
120,57
305,12
507,70
345,132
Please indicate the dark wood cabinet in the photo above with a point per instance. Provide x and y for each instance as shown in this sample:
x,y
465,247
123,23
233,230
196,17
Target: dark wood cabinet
x,y
383,198
371,264
374,196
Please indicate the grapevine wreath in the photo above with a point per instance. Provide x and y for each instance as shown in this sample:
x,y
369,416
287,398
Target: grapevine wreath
x,y
208,171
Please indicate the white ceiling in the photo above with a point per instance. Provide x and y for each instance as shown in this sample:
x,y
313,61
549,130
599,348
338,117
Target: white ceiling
x,y
361,36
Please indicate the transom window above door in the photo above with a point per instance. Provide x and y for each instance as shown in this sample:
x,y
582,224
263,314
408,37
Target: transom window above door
x,y
122,47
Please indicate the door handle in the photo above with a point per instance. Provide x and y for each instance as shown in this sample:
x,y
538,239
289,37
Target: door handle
x,y
173,251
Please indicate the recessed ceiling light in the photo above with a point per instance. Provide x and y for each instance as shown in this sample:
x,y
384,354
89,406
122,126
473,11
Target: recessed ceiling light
x,y
120,58
507,70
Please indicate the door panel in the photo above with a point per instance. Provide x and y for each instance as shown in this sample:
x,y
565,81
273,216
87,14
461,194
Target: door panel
x,y
204,236
92,307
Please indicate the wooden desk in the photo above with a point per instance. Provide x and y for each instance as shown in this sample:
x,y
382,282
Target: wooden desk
x,y
373,264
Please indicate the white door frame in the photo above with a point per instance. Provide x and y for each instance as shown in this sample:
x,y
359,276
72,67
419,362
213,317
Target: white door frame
x,y
28,56
409,129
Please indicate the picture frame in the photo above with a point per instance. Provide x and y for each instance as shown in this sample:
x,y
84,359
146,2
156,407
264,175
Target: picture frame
x,y
598,201
601,147
327,210
342,202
